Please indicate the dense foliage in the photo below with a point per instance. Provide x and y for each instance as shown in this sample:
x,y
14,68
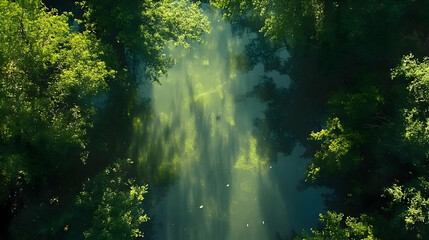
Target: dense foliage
x,y
354,56
47,76
355,228
59,173
145,27
108,207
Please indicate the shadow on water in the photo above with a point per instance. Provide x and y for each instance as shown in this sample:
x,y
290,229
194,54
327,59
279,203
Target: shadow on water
x,y
207,140
282,207
291,113
289,117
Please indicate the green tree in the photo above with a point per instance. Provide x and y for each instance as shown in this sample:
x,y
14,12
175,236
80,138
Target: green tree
x,y
109,206
338,228
293,20
47,75
409,206
339,151
408,203
143,28
416,116
358,107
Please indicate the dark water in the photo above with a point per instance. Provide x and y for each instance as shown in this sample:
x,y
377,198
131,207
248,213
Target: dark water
x,y
200,138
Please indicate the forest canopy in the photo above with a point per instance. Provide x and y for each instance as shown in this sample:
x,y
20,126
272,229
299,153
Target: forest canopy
x,y
66,172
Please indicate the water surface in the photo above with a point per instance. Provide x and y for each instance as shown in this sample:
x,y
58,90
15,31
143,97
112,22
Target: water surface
x,y
199,137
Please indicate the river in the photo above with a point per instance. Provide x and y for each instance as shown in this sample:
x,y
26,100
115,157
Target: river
x,y
198,138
